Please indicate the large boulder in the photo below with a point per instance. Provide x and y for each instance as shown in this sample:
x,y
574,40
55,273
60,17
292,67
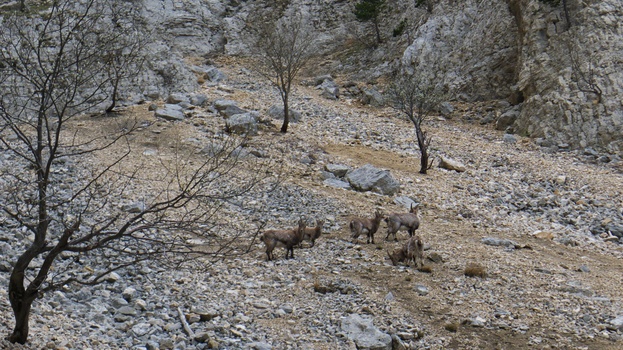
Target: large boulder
x,y
451,164
276,112
365,335
372,97
170,112
243,124
338,170
370,178
507,119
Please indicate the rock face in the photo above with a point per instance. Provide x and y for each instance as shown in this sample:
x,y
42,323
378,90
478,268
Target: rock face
x,y
452,41
529,54
555,73
369,178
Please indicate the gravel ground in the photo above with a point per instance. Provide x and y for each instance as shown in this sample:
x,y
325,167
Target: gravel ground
x,y
545,228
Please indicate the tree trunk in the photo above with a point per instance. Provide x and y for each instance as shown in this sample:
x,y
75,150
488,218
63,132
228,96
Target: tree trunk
x,y
421,141
567,17
286,114
115,92
21,303
378,31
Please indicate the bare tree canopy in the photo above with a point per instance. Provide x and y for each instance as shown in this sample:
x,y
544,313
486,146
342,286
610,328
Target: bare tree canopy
x,y
283,48
417,98
77,191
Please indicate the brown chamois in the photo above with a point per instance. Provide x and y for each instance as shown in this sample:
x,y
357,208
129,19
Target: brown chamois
x,y
404,221
359,226
312,233
413,249
283,238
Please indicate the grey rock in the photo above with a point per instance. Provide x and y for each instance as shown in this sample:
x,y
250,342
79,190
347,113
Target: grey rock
x,y
112,277
141,329
134,207
202,337
231,111
372,97
369,178
446,108
10,6
451,164
615,230
337,183
177,98
217,149
366,336
128,293
338,170
326,175
5,266
127,310
475,321
152,107
259,346
507,119
118,302
287,308
405,202
421,289
617,323
170,112
584,268
330,89
508,138
397,343
321,79
242,124
222,104
498,242
215,75
276,112
489,118
198,100
152,93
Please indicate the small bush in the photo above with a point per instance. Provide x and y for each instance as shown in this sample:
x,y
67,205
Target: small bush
x,y
451,327
425,268
400,28
475,270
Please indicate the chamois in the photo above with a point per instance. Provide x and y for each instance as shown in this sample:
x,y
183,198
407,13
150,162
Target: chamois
x,y
413,249
283,238
403,221
359,226
312,233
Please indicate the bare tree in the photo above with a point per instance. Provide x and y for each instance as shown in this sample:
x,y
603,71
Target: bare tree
x,y
584,68
284,47
126,41
417,98
67,185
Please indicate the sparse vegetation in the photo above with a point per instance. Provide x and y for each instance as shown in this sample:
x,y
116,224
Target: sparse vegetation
x,y
51,77
283,48
564,6
370,11
416,98
475,270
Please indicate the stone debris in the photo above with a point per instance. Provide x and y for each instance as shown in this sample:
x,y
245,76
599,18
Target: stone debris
x,y
513,196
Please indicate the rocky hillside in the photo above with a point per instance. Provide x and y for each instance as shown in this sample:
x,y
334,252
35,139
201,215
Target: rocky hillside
x,y
559,64
543,228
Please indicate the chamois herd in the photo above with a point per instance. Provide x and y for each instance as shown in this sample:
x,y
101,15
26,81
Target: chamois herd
x,y
412,250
